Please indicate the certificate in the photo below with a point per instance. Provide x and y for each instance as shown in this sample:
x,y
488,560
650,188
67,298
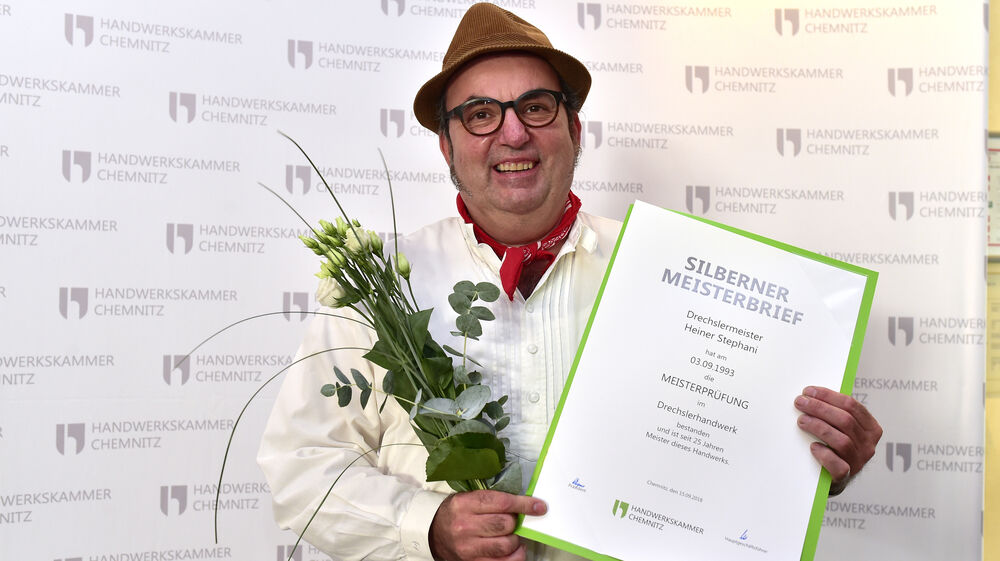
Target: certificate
x,y
676,436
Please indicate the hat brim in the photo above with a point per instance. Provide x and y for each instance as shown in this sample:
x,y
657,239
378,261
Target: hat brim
x,y
572,72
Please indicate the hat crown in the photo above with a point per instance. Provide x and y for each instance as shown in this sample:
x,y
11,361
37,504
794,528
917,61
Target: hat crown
x,y
488,25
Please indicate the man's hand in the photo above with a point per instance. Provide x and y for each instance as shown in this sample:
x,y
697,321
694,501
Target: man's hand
x,y
847,429
479,525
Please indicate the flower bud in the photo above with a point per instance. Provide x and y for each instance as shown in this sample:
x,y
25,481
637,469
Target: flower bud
x,y
402,266
336,257
309,242
330,229
356,242
342,227
330,292
376,241
355,222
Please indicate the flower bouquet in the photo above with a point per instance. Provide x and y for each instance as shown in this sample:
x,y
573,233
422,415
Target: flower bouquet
x,y
451,412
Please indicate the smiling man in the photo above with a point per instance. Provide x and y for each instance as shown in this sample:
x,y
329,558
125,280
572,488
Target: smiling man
x,y
505,107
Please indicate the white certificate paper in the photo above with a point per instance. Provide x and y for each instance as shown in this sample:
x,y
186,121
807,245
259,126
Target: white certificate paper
x,y
676,435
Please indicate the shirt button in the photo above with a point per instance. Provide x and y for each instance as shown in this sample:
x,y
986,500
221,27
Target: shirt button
x,y
415,545
532,348
534,397
529,307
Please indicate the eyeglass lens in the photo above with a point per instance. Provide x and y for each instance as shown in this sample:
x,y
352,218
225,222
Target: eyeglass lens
x,y
535,109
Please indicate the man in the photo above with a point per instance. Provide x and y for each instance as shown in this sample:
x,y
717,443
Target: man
x,y
505,106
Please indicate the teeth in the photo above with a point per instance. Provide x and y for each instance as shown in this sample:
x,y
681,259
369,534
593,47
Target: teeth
x,y
521,166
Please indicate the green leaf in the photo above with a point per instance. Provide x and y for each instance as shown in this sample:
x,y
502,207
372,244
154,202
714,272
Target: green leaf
x,y
494,410
340,376
388,381
418,326
365,394
475,377
426,438
471,425
452,351
482,313
360,380
383,355
344,396
488,292
328,390
459,302
471,401
509,480
469,325
438,370
502,400
465,456
466,288
503,422
458,334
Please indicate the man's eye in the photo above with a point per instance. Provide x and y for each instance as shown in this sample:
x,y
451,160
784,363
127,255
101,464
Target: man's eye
x,y
533,107
479,115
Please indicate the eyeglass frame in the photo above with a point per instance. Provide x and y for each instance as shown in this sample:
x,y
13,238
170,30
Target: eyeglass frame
x,y
456,112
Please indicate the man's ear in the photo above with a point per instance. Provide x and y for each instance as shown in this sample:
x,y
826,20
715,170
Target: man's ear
x,y
445,144
575,128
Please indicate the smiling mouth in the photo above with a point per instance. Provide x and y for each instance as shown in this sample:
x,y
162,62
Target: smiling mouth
x,y
514,166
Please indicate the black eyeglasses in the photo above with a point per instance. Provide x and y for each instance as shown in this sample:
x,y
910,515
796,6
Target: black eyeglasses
x,y
484,115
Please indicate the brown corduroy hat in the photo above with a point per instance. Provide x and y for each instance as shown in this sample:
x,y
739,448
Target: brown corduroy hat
x,y
487,28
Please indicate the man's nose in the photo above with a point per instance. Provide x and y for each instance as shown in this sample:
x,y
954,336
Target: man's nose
x,y
513,132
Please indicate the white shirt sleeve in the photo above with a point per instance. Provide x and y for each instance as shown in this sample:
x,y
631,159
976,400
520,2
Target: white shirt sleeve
x,y
309,442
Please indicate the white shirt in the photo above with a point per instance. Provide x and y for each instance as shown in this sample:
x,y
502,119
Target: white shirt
x,y
381,507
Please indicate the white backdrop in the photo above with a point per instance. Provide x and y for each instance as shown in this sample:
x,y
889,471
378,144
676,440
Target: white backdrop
x,y
132,136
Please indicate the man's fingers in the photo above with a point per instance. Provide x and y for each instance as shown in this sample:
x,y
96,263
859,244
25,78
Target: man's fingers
x,y
839,469
842,402
494,501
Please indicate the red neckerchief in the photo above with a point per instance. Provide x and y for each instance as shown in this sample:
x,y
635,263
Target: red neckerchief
x,y
514,258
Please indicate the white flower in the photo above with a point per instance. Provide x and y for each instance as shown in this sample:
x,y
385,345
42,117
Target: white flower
x,y
330,292
357,241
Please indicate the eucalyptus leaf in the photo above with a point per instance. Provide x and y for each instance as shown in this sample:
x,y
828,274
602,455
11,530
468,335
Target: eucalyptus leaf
x,y
360,380
344,396
414,408
471,425
482,313
461,376
487,292
466,288
440,408
328,390
475,377
503,422
452,351
465,456
340,376
365,394
458,334
459,302
502,400
469,325
388,381
494,410
509,480
471,401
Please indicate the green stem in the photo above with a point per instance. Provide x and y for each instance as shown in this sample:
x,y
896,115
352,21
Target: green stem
x,y
232,433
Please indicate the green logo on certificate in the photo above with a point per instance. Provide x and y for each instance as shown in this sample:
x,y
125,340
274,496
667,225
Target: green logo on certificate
x,y
620,505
